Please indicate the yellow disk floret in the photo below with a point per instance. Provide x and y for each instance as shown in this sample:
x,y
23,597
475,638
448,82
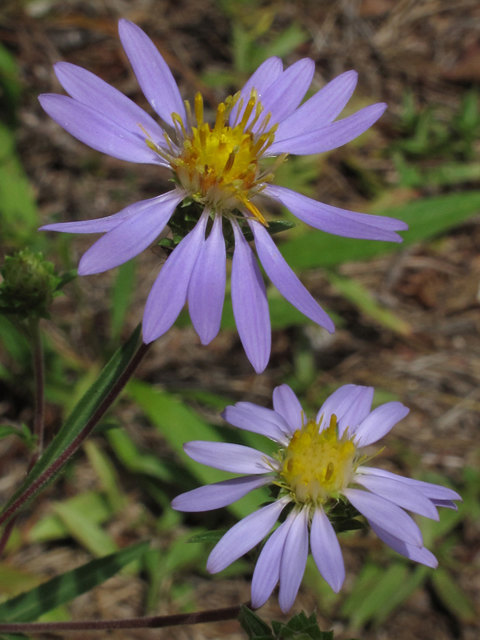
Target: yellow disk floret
x,y
219,165
318,465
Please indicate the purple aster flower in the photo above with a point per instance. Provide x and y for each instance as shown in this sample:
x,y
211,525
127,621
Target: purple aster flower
x,y
319,466
221,168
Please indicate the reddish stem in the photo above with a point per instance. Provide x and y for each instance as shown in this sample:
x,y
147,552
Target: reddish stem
x,y
152,622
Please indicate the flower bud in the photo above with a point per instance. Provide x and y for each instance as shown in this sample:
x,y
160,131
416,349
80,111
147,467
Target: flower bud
x,y
29,285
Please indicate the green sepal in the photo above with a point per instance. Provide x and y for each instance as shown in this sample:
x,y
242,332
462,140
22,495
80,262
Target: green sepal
x,y
188,213
253,625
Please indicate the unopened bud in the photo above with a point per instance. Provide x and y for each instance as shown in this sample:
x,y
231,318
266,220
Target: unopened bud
x,y
29,285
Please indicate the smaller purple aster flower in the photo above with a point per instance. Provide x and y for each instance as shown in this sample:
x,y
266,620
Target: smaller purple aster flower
x,y
319,465
224,168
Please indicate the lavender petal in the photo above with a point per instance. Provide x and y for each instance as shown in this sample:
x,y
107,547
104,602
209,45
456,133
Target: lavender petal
x,y
246,416
422,555
286,403
263,77
97,130
267,570
250,306
285,280
87,88
379,422
244,536
153,75
399,493
385,514
321,109
429,490
294,560
351,403
285,94
206,291
102,225
169,292
235,458
131,236
220,494
332,136
326,550
340,222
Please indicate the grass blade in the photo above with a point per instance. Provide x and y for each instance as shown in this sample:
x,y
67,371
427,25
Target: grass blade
x,y
60,590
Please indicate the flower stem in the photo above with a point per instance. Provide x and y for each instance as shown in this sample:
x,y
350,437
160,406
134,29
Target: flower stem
x,y
75,444
151,622
6,535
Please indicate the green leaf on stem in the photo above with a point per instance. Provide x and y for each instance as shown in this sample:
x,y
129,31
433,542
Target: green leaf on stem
x,y
300,627
31,605
253,625
80,416
86,532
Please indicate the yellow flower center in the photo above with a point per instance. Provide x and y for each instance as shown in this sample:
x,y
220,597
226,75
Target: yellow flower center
x,y
318,465
219,166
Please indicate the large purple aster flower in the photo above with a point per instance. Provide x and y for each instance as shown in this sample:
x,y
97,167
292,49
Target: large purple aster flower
x,y
221,168
319,465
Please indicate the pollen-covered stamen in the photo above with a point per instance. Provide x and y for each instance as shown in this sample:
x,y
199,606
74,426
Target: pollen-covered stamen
x,y
317,464
219,166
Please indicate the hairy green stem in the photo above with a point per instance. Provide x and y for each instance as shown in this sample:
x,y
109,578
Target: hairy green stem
x,y
75,444
151,622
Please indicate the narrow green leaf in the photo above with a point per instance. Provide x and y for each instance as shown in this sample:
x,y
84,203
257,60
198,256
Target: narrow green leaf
x,y
85,531
379,595
426,218
365,582
404,591
453,597
363,299
60,590
207,536
51,526
19,217
107,474
83,411
136,461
